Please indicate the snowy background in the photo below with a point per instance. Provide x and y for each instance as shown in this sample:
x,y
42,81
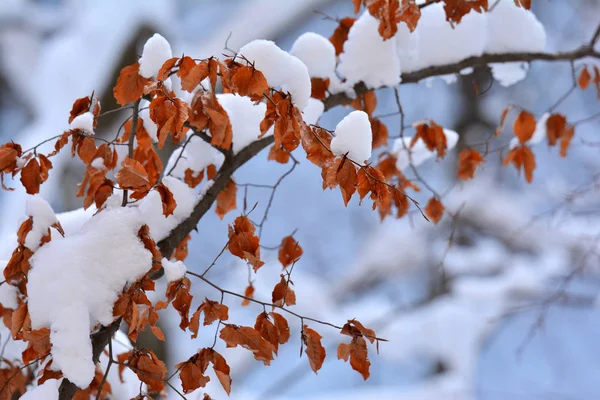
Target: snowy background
x,y
508,310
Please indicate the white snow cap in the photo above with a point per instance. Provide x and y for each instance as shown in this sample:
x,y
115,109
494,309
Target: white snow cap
x,y
280,68
245,117
46,391
353,136
440,43
513,29
84,121
369,58
74,282
156,51
407,47
151,208
419,153
313,111
43,218
174,270
317,53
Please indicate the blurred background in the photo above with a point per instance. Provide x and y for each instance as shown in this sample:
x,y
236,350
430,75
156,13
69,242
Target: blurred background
x,y
497,301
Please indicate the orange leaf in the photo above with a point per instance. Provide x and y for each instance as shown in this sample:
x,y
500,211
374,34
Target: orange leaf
x,y
433,136
31,177
271,331
249,293
584,78
283,294
168,201
565,140
434,210
341,171
133,176
244,243
130,85
356,351
468,160
250,82
522,157
555,128
226,199
9,153
314,349
289,251
340,34
149,368
248,338
524,126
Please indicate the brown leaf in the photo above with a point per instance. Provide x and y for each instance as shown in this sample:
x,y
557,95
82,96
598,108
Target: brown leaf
x,y
165,70
270,331
289,251
250,82
130,85
410,13
243,243
523,157
356,351
168,201
248,338
434,210
342,172
456,9
283,294
314,349
9,153
555,128
565,141
433,136
249,293
318,88
148,368
468,160
226,199
584,78
355,328
524,126
133,176
31,177
340,34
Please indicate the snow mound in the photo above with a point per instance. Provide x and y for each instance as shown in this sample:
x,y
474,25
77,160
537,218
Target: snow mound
x,y
317,53
84,121
369,58
174,270
245,117
43,218
156,51
74,283
353,136
280,68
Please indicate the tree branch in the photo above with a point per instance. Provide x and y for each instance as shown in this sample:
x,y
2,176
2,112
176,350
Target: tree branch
x,y
230,165
472,62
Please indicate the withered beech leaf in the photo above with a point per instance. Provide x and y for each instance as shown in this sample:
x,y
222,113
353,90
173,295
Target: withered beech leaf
x,y
314,349
168,201
283,294
133,176
524,126
356,351
227,199
248,338
243,243
522,158
130,84
468,160
434,210
289,251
